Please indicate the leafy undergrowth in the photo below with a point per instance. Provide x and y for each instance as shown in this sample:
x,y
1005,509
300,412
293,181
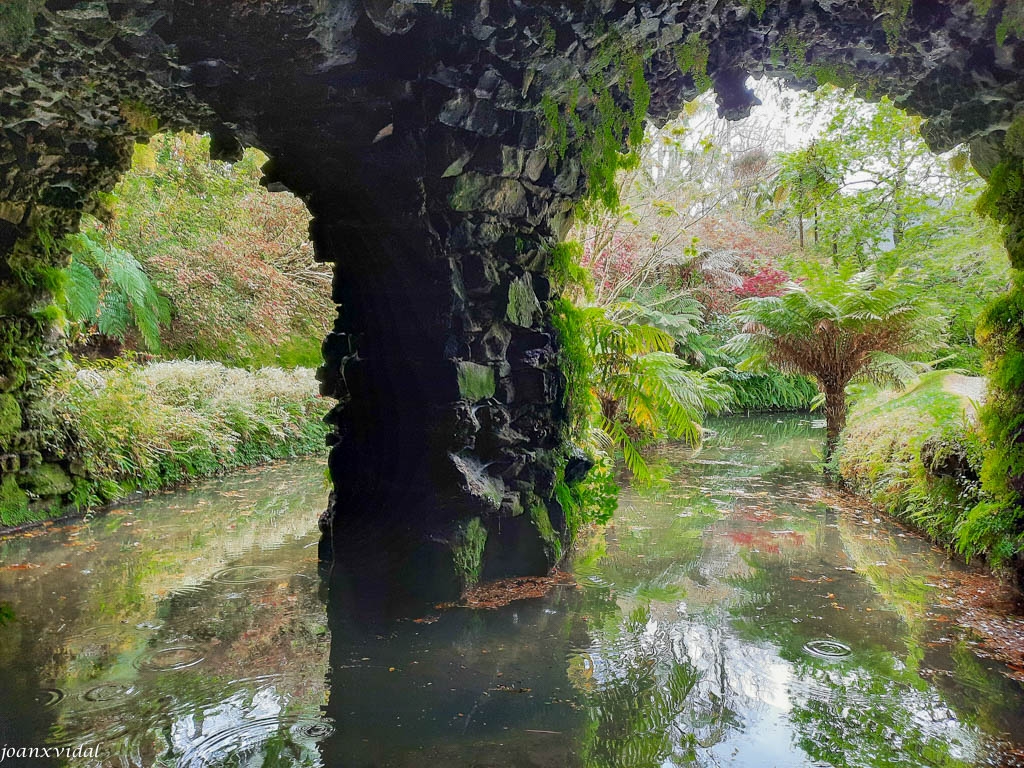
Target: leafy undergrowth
x,y
231,263
917,454
147,427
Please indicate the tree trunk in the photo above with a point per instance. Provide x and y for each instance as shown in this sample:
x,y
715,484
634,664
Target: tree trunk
x,y
835,419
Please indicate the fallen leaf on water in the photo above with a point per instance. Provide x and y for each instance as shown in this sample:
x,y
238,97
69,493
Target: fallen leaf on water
x,y
496,594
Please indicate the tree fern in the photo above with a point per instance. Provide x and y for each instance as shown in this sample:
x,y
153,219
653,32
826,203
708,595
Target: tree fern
x,y
838,326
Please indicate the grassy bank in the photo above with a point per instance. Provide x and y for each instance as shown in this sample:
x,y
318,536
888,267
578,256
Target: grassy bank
x,y
916,454
127,427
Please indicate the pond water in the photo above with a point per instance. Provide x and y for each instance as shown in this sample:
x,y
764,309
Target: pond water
x,y
736,617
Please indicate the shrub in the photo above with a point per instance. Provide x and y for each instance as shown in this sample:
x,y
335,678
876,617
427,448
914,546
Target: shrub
x,y
145,427
916,455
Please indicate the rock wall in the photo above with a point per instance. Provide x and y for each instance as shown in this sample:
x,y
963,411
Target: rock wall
x,y
440,148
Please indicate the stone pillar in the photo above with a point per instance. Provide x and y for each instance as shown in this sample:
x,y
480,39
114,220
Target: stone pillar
x,y
449,426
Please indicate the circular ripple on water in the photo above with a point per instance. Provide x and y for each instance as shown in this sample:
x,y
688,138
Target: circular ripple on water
x,y
247,739
249,574
50,697
108,693
169,659
313,729
827,649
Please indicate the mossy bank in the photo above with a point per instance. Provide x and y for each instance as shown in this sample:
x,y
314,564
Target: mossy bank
x,y
918,456
126,427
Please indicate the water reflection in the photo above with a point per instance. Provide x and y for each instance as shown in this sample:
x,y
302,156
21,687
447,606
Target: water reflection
x,y
735,618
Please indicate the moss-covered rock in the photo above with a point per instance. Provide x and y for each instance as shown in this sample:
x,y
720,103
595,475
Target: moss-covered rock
x,y
476,382
13,502
468,551
542,522
10,419
47,480
523,307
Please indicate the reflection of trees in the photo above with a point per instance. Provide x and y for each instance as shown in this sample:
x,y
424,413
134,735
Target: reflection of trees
x,y
636,711
871,708
143,579
856,718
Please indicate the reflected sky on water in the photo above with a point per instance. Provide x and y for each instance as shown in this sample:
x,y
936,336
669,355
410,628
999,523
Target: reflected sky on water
x,y
736,616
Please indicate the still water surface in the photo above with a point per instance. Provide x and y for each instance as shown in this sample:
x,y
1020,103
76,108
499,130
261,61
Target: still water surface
x,y
738,617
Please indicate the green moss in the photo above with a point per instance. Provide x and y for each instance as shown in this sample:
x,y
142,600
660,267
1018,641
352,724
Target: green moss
x,y
47,480
542,522
17,23
1011,23
10,419
1014,140
791,50
476,382
894,17
595,120
468,551
139,117
692,59
757,7
523,308
13,503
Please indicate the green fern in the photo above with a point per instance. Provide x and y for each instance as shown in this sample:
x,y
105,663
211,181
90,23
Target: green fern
x,y
627,388
108,292
838,327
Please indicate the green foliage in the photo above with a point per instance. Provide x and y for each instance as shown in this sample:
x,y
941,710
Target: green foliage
x,y
10,419
139,117
626,388
143,428
917,455
869,192
894,16
995,527
565,269
594,499
757,7
791,49
232,260
770,391
14,508
468,551
108,292
615,96
838,326
1011,22
692,56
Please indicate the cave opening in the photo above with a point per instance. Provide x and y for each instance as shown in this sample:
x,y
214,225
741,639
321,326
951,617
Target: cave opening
x,y
441,152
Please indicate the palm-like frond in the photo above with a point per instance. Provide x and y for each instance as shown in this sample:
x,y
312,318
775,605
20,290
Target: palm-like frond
x,y
838,325
637,388
108,289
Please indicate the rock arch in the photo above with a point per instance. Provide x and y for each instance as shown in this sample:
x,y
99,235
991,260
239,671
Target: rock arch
x,y
440,147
